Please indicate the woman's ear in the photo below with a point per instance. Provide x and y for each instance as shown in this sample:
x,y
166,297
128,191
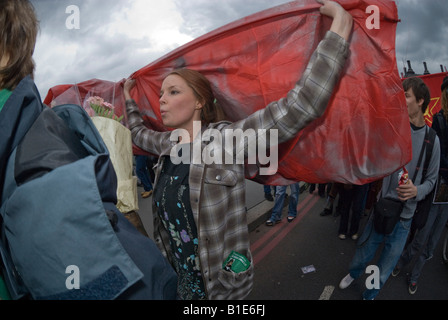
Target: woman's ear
x,y
198,105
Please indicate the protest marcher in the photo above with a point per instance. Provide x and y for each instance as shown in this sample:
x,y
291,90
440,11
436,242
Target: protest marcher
x,y
280,195
408,190
58,193
206,224
351,200
428,237
142,171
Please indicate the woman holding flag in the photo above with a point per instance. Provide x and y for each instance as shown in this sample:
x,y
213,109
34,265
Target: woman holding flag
x,y
199,209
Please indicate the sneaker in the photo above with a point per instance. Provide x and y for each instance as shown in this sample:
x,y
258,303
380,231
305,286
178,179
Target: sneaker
x,y
396,272
270,223
326,212
342,236
412,287
355,236
346,281
146,194
268,197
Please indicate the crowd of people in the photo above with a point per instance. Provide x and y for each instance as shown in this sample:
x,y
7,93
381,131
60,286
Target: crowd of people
x,y
418,229
198,223
354,201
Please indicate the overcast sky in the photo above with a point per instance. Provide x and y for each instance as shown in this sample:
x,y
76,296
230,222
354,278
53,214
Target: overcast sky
x,y
117,37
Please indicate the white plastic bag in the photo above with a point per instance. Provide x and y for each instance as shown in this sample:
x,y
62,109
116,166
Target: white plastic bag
x,y
119,142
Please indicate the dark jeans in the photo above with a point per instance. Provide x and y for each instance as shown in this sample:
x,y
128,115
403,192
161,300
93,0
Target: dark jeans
x,y
425,242
141,169
351,198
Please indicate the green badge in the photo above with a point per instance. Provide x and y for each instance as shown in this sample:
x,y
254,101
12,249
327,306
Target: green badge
x,y
236,263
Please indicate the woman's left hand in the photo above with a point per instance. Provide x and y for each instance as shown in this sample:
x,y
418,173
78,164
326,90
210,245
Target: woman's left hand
x,y
128,85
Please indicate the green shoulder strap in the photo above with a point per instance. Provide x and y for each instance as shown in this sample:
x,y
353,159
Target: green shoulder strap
x,y
4,96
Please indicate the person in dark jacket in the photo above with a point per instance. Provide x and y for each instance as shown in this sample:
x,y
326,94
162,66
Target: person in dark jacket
x,y
61,235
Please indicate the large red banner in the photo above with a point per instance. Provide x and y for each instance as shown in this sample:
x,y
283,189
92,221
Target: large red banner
x,y
434,83
364,134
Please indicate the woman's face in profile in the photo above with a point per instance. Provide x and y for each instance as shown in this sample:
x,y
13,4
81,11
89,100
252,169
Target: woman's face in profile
x,y
179,106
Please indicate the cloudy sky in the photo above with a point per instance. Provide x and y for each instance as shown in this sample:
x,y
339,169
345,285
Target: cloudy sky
x,y
117,37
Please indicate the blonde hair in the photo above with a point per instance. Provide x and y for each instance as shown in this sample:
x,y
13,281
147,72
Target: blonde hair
x,y
18,33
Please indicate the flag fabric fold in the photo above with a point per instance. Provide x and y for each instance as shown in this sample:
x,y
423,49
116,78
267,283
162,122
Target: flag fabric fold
x,y
365,132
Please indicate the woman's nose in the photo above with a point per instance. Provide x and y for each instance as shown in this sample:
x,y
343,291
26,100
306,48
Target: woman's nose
x,y
162,99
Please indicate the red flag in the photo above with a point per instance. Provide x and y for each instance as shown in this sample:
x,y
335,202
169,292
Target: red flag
x,y
364,134
434,83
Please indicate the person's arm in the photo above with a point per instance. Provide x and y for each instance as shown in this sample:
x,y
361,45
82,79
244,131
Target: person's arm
x,y
432,174
342,21
309,98
128,85
419,192
149,140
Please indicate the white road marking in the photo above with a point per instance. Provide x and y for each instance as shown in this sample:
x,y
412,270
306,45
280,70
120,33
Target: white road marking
x,y
326,294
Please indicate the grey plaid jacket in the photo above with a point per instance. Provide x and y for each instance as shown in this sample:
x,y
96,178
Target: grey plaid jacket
x,y
217,191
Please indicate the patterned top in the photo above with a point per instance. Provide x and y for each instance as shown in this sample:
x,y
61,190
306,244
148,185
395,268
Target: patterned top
x,y
217,191
172,198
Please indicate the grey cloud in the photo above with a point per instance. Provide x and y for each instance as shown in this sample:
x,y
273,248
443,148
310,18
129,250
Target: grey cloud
x,y
52,14
98,55
422,34
202,16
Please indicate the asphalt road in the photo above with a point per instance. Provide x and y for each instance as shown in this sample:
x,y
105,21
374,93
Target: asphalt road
x,y
280,253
